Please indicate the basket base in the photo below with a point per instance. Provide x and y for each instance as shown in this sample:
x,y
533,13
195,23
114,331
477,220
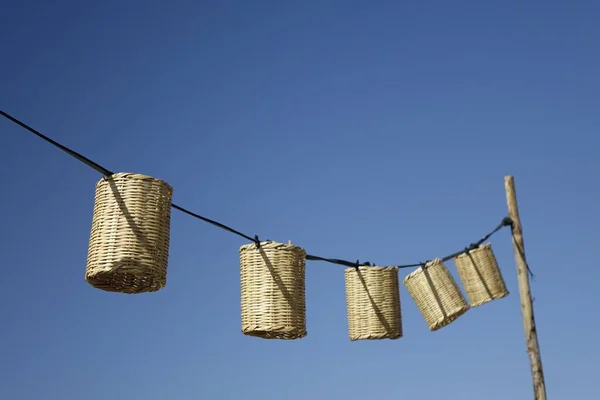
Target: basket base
x,y
125,282
285,334
375,337
451,318
492,298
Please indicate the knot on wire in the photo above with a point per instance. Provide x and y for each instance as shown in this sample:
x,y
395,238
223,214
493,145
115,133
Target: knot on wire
x,y
507,221
257,241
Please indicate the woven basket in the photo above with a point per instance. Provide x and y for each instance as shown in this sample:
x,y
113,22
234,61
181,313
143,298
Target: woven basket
x,y
480,275
436,293
373,303
129,242
272,290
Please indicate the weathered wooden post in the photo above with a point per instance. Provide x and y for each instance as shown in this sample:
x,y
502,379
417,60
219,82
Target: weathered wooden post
x,y
533,348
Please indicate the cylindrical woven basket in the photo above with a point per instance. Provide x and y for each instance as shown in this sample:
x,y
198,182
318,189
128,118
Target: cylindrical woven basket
x,y
373,303
273,290
480,275
129,242
436,293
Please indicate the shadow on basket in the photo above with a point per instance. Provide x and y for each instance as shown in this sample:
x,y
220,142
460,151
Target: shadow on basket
x,y
480,275
436,294
273,301
386,325
373,303
129,240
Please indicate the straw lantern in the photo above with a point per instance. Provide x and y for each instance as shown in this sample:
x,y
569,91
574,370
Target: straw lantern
x,y
273,290
436,293
373,303
480,275
129,243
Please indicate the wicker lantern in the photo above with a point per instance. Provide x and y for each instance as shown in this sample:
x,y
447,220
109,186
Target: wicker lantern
x,y
129,242
373,303
273,290
480,275
436,293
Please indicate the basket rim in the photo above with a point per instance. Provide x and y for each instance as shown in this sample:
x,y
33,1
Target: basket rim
x,y
135,176
486,246
105,280
371,336
272,245
269,334
419,270
371,268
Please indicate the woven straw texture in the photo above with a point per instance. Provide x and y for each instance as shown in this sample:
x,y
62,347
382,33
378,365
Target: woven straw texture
x,y
480,275
273,290
436,293
373,303
129,243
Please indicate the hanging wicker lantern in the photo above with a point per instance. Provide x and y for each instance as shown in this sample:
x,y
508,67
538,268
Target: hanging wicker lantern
x,y
373,303
480,275
436,293
129,242
273,290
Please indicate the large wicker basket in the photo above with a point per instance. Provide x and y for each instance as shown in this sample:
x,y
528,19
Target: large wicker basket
x,y
436,293
480,275
129,242
273,290
373,303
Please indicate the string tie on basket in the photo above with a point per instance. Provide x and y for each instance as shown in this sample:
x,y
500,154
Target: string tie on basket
x,y
257,241
472,246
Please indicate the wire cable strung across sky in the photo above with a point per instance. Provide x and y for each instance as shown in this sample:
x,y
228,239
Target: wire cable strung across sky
x,y
106,172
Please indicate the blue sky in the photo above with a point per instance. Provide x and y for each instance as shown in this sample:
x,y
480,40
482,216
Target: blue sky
x,y
372,130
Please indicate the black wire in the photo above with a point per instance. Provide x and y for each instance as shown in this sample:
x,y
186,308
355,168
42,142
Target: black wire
x,y
522,254
506,221
106,172
72,153
215,223
336,261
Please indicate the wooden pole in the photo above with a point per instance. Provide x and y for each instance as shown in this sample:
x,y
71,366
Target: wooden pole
x,y
533,348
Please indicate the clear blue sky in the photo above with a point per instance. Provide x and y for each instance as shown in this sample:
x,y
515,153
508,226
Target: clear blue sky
x,y
372,130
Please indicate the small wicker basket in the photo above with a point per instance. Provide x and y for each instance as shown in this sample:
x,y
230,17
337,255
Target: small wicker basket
x,y
273,290
129,242
436,293
480,275
373,303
